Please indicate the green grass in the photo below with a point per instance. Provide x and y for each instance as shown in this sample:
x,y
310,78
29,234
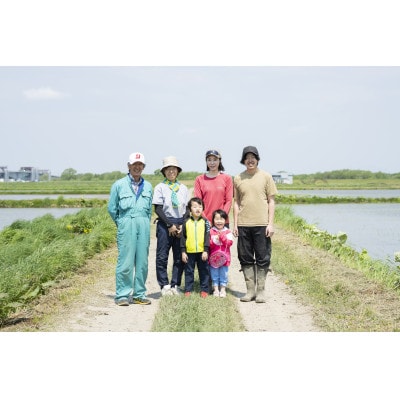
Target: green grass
x,y
281,198
103,187
195,314
60,202
69,187
34,254
349,290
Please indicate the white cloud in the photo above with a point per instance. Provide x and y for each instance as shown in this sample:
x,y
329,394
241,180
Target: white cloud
x,y
45,93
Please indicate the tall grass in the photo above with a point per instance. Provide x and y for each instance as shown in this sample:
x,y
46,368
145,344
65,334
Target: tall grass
x,y
34,254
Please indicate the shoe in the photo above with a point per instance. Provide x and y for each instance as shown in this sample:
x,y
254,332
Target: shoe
x,y
216,293
143,302
122,302
175,291
222,294
166,290
203,294
187,294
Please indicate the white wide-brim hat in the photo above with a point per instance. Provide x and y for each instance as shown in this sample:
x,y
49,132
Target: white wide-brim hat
x,y
171,161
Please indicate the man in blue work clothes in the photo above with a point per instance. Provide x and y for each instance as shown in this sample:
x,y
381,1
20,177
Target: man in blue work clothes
x,y
130,208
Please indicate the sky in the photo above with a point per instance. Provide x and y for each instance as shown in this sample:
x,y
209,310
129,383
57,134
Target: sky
x,y
301,119
311,112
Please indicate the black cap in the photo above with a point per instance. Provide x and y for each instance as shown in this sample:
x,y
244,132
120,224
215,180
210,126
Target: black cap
x,y
213,153
249,149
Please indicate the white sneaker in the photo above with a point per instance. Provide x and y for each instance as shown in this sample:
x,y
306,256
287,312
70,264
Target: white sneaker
x,y
175,291
166,290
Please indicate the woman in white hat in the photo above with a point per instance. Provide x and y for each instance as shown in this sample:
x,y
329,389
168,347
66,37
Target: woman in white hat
x,y
170,204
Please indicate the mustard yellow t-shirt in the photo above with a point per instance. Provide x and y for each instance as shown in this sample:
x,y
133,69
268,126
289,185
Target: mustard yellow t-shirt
x,y
251,193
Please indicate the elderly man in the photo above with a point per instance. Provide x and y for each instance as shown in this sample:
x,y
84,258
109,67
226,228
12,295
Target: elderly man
x,y
130,208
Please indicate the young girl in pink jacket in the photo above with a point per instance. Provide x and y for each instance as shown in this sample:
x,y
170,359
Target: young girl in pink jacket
x,y
221,239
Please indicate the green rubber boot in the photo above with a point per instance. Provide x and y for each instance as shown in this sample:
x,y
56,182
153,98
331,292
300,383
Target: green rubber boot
x,y
249,277
261,275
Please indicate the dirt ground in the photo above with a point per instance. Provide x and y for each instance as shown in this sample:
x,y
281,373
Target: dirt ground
x,y
93,309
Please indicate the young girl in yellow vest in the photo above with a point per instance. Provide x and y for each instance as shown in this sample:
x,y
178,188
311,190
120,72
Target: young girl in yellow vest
x,y
195,242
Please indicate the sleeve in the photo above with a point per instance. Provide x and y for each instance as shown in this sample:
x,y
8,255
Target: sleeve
x,y
150,189
207,237
158,209
228,193
197,188
227,238
113,203
158,196
183,239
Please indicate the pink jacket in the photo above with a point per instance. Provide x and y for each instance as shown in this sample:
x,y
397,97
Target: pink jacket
x,y
221,240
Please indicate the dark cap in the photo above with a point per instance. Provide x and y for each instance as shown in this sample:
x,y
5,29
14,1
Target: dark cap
x,y
249,149
213,153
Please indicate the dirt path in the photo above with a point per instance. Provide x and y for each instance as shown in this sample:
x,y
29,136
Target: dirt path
x,y
94,310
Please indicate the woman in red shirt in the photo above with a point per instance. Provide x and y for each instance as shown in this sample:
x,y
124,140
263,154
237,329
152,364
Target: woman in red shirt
x,y
214,187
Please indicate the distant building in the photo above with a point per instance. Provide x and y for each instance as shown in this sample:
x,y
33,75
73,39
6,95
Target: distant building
x,y
283,177
25,174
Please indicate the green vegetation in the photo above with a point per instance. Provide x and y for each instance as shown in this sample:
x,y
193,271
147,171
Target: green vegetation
x,y
70,187
72,183
60,202
296,199
71,174
345,174
194,314
35,254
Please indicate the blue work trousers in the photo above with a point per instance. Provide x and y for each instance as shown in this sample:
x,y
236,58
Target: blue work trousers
x,y
164,244
133,241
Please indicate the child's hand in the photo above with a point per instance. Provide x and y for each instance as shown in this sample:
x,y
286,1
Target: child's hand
x,y
204,256
184,258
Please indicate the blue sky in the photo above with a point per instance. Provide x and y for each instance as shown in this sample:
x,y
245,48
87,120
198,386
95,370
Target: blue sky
x,y
314,86
302,119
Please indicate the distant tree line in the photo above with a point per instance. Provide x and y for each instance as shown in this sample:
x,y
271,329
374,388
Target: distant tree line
x,y
70,174
349,174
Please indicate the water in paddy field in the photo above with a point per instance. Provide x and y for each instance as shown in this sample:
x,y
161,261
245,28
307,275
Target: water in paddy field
x,y
374,227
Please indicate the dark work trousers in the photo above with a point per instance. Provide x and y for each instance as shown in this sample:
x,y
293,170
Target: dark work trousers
x,y
203,269
164,245
253,246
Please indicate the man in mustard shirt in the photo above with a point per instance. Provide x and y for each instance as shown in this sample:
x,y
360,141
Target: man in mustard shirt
x,y
253,213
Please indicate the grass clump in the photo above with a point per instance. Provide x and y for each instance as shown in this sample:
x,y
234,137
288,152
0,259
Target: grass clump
x,y
34,254
195,314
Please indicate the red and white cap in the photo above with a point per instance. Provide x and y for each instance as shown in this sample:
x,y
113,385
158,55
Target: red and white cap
x,y
136,157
